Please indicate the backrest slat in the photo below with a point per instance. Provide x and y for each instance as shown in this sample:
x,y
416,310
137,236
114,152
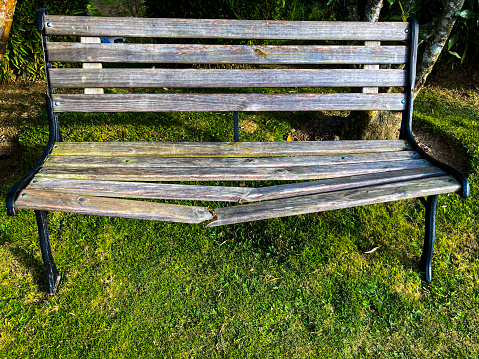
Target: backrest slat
x,y
217,78
229,102
313,55
225,29
225,54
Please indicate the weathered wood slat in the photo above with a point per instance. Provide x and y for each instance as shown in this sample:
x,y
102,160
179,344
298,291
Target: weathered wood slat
x,y
229,102
228,173
231,29
141,162
220,193
224,54
334,200
225,149
111,207
187,78
140,189
338,184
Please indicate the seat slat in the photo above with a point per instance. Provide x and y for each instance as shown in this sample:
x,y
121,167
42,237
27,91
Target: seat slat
x,y
220,193
111,207
227,173
227,29
224,54
191,78
229,102
141,162
334,200
225,149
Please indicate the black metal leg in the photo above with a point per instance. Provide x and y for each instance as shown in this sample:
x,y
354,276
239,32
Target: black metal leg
x,y
236,126
53,277
430,232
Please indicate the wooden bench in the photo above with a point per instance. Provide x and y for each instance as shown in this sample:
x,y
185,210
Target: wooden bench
x,y
95,178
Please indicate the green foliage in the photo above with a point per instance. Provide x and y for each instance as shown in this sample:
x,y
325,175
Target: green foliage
x,y
463,44
24,57
240,9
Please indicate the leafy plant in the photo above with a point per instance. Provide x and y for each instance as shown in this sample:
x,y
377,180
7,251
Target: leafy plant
x,y
24,56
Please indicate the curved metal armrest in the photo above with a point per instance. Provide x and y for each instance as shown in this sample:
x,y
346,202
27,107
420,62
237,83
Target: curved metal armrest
x,y
54,135
406,126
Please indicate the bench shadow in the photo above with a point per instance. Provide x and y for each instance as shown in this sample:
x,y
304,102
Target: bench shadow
x,y
33,265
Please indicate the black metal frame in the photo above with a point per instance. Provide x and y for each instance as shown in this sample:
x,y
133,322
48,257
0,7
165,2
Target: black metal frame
x,y
406,133
53,277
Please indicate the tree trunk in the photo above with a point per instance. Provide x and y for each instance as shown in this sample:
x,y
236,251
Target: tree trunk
x,y
373,8
7,8
372,125
436,42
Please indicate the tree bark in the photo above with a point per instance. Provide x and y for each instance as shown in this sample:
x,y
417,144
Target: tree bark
x,y
436,42
7,7
373,8
371,125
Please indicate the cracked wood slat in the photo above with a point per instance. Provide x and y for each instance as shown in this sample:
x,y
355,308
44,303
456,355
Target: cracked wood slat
x,y
224,54
334,200
111,207
220,28
225,149
226,194
229,102
214,78
140,162
227,173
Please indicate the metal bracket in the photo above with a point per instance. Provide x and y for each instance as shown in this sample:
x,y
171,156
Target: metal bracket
x,y
236,126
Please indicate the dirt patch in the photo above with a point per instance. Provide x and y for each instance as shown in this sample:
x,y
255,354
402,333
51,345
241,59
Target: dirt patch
x,y
323,128
460,78
19,103
329,128
443,149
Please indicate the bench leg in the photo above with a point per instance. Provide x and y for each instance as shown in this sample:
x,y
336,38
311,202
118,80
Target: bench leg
x,y
430,232
53,277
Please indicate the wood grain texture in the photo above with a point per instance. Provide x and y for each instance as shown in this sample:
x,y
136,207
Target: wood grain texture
x,y
338,184
164,162
224,54
191,78
227,173
140,189
111,207
225,149
226,194
229,102
231,29
334,200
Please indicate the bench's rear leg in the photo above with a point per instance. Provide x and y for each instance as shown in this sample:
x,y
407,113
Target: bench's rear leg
x,y
429,234
53,277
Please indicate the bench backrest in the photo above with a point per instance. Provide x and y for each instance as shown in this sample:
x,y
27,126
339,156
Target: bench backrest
x,y
291,64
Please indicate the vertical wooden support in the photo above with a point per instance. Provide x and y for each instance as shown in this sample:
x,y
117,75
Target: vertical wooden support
x,y
88,65
371,44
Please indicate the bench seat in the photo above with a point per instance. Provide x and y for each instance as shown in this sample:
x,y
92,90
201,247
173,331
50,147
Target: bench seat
x,y
94,178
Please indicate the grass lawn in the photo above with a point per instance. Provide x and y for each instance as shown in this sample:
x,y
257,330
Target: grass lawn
x,y
294,287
